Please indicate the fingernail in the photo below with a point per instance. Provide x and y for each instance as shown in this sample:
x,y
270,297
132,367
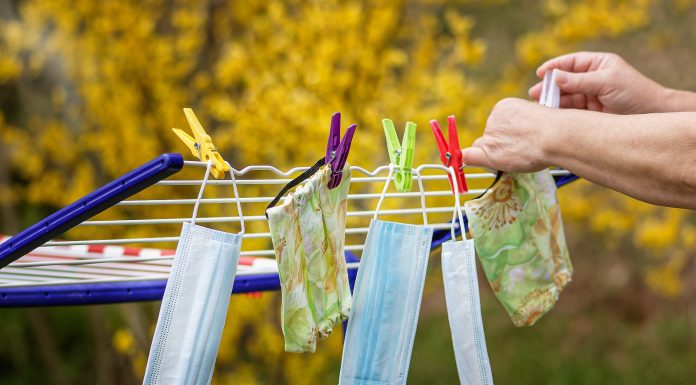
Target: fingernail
x,y
561,78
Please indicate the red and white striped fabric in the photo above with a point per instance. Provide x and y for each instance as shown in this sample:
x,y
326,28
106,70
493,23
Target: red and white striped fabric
x,y
48,253
57,270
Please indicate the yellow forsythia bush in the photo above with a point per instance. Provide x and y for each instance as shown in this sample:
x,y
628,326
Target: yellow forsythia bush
x,y
98,85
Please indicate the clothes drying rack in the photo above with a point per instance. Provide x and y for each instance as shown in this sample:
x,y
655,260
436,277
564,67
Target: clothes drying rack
x,y
115,268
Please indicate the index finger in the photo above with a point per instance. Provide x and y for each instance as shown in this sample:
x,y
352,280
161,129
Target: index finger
x,y
572,62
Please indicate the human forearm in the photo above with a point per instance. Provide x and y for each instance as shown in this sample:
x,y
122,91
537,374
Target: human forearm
x,y
677,101
650,157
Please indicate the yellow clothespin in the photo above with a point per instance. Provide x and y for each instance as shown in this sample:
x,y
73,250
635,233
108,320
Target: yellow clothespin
x,y
201,145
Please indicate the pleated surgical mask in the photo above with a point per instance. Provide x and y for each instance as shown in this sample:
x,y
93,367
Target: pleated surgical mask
x,y
519,238
386,301
194,306
463,305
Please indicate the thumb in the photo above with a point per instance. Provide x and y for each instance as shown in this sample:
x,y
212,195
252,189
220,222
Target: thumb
x,y
586,83
476,156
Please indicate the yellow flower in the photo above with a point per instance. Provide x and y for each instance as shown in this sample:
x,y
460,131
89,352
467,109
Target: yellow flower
x,y
123,341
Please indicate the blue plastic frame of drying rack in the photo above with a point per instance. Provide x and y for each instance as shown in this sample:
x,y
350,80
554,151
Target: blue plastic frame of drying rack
x,y
131,291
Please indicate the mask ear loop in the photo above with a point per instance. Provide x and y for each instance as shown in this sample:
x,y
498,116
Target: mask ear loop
x,y
422,195
457,208
386,186
384,190
200,193
236,197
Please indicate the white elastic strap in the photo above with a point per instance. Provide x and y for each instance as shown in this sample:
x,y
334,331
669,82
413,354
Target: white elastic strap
x,y
386,186
457,208
544,90
550,93
422,195
200,193
384,190
236,197
554,92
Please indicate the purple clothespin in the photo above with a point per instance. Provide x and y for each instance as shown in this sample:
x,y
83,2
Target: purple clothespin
x,y
337,149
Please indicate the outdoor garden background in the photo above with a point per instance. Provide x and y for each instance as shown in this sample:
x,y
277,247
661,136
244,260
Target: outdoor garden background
x,y
90,89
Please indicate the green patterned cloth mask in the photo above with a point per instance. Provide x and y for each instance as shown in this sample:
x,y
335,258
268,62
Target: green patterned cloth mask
x,y
518,234
308,233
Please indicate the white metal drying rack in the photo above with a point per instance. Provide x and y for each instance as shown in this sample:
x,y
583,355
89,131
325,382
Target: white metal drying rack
x,y
71,272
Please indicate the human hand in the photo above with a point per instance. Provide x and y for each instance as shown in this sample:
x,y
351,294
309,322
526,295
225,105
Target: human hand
x,y
601,82
515,138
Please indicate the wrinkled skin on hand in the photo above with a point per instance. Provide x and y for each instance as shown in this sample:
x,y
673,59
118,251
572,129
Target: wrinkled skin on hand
x,y
514,139
602,82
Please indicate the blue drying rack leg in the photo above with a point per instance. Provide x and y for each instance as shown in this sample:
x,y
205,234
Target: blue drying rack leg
x,y
89,206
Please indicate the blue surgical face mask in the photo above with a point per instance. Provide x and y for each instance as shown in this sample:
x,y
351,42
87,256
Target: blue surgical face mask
x,y
386,302
464,308
194,306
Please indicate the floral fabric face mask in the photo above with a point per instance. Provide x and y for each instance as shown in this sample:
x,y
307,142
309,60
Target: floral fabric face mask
x,y
518,235
308,234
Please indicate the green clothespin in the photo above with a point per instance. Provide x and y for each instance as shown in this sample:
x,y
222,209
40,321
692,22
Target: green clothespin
x,y
401,155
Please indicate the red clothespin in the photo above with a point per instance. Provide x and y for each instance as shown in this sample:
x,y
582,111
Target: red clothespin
x,y
337,149
450,154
